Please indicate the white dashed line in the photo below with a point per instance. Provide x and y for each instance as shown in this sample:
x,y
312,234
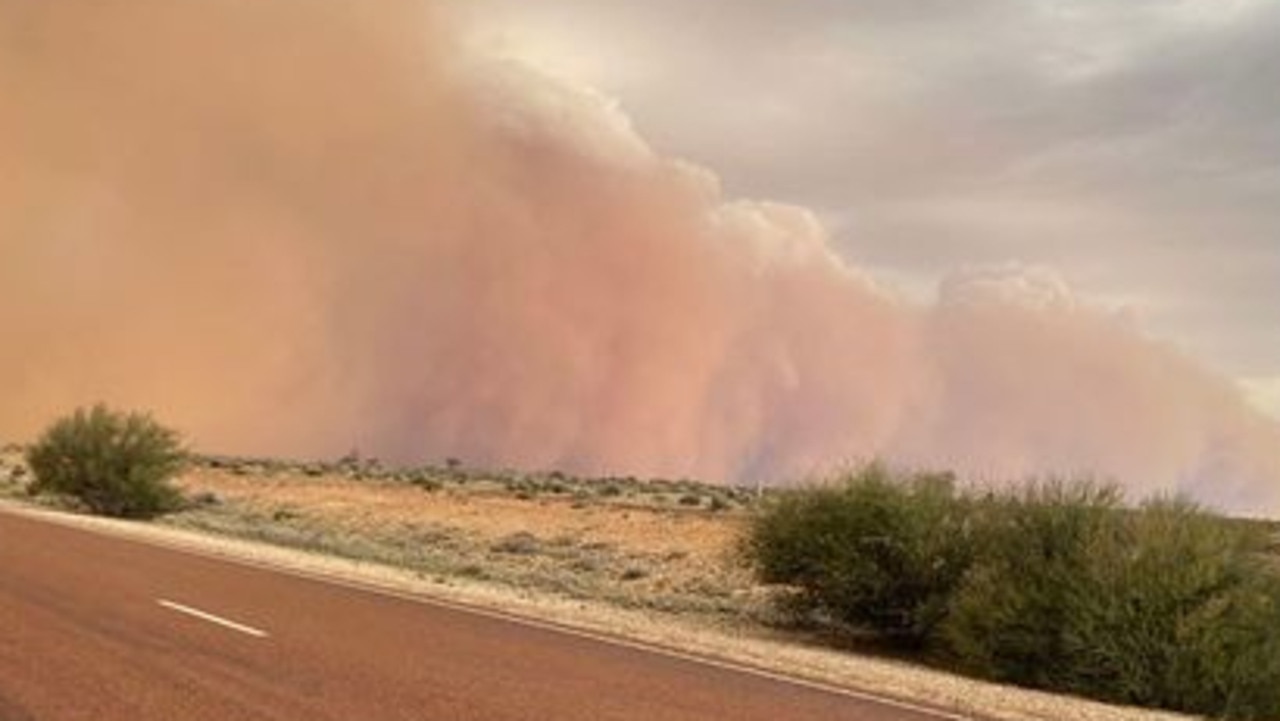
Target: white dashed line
x,y
203,616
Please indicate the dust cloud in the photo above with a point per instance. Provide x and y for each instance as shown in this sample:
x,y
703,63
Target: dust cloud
x,y
300,226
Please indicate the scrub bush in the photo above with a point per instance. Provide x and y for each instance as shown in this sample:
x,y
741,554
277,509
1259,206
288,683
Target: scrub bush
x,y
869,552
116,464
1058,586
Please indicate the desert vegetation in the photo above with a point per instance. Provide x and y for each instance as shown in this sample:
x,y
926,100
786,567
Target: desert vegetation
x,y
1057,585
114,463
642,544
1061,586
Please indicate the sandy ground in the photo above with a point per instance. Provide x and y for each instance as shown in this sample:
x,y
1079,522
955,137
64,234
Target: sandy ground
x,y
633,548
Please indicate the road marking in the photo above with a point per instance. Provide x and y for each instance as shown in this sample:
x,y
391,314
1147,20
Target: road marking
x,y
203,616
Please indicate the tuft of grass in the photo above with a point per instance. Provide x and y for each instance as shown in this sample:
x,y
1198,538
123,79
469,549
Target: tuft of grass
x,y
518,544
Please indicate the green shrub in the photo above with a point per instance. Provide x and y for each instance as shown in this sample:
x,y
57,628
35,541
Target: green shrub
x,y
870,552
1165,605
117,464
1035,568
1058,586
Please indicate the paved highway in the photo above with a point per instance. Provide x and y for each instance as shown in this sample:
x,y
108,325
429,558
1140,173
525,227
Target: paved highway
x,y
100,628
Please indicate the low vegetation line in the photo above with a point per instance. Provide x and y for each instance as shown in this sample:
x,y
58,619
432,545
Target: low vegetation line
x,y
1058,586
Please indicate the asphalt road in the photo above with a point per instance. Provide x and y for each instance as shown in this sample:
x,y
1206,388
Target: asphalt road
x,y
100,628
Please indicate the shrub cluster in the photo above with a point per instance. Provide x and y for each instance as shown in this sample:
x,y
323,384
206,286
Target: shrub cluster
x,y
878,552
1056,586
117,464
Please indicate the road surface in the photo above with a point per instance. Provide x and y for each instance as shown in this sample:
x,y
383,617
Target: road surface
x,y
101,628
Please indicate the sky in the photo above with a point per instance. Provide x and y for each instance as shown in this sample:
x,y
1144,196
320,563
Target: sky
x,y
740,242
1133,147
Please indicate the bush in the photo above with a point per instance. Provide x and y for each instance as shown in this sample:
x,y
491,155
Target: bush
x,y
117,464
870,552
1165,605
1056,586
1039,550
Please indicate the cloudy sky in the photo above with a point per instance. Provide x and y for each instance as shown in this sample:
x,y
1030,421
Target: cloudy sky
x,y
439,253
1132,146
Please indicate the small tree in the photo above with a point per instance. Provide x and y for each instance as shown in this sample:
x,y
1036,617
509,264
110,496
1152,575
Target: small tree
x,y
117,464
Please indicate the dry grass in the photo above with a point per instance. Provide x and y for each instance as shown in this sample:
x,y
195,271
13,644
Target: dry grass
x,y
13,472
630,546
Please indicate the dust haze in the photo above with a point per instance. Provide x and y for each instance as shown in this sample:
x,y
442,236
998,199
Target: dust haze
x,y
300,226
